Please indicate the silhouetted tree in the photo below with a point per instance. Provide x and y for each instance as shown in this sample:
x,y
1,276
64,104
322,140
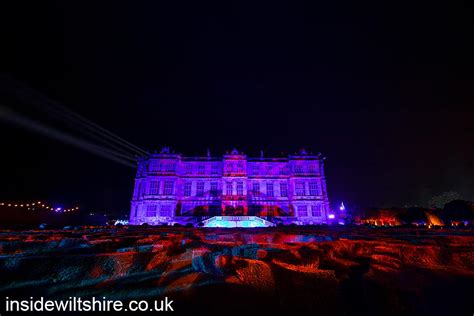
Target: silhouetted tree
x,y
439,201
413,215
458,210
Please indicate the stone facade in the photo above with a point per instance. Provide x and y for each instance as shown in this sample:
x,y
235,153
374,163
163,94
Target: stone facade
x,y
170,188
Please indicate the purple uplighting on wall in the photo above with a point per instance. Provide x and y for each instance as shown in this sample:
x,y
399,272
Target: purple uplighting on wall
x,y
170,188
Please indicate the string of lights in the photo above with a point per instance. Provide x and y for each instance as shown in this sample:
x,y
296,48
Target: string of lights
x,y
38,205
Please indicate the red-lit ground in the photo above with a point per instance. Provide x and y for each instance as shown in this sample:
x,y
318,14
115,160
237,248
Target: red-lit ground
x,y
342,271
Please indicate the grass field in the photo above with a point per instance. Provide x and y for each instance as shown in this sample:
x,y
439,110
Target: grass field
x,y
326,270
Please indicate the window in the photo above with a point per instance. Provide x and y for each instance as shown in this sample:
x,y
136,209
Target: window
x,y
214,189
215,169
255,169
201,169
240,188
168,188
154,187
151,210
228,188
312,168
316,210
303,210
299,168
165,210
270,189
313,188
256,188
187,188
154,167
188,169
169,167
140,190
283,189
268,169
299,188
200,189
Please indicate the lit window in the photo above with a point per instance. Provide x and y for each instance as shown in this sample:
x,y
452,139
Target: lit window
x,y
188,169
299,188
200,189
240,167
168,188
303,210
153,167
270,189
228,188
283,189
240,188
140,190
154,187
151,210
187,189
316,210
312,168
256,188
201,169
269,169
165,210
170,167
214,189
215,169
299,168
255,169
313,188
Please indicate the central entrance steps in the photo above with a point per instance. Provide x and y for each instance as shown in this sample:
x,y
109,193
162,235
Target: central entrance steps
x,y
236,221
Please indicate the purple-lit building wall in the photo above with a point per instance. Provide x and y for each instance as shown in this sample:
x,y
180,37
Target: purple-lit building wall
x,y
170,188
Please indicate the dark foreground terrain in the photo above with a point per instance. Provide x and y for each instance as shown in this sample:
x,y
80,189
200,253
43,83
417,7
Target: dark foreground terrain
x,y
325,271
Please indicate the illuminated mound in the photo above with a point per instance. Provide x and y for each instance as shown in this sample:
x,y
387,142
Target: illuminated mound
x,y
237,221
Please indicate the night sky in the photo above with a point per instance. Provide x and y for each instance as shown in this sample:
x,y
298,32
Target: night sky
x,y
384,91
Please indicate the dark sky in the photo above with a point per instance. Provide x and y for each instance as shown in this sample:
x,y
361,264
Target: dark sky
x,y
384,91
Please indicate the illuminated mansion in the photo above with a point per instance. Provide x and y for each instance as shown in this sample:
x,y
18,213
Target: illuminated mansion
x,y
229,191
